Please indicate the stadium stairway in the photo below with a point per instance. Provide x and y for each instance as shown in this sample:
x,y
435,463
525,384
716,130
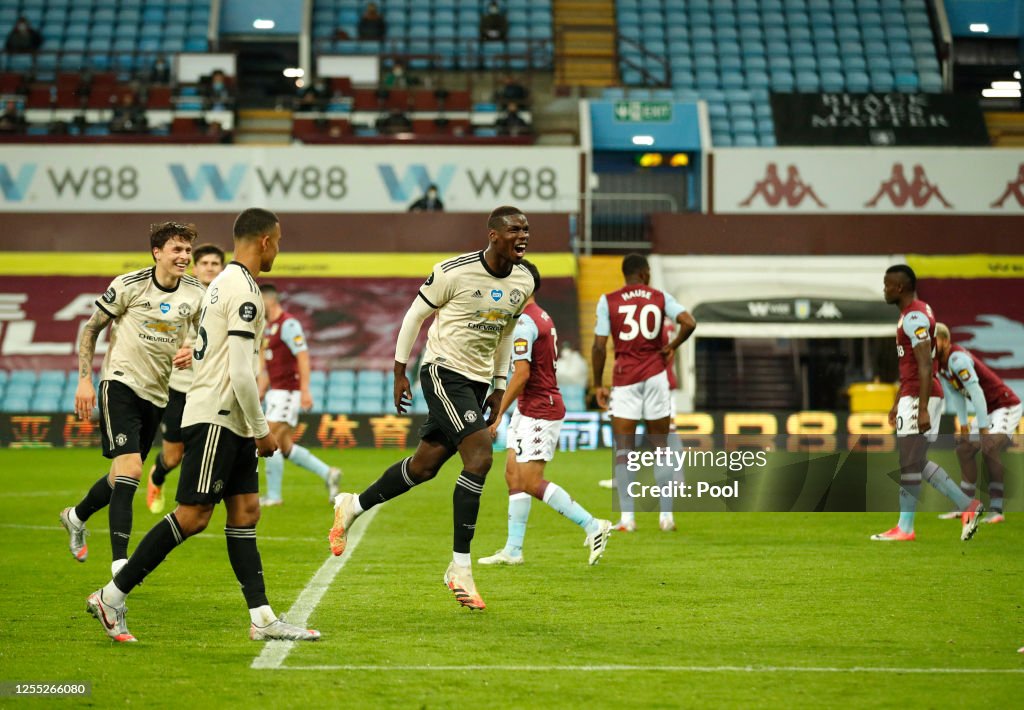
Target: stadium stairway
x,y
585,43
597,276
264,127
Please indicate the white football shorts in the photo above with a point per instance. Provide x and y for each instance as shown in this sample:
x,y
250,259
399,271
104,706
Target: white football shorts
x,y
1002,421
642,401
532,439
283,406
906,417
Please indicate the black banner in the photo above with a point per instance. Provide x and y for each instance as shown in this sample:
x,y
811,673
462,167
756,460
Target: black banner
x,y
793,310
891,119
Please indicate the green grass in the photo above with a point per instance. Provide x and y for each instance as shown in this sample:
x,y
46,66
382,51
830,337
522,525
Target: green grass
x,y
763,590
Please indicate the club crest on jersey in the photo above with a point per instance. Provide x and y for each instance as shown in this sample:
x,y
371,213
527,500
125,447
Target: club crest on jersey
x,y
165,308
496,294
515,296
184,310
469,416
109,295
121,440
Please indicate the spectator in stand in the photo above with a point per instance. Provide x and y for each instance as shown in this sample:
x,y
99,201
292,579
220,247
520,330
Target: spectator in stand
x,y
493,24
218,93
160,72
23,38
430,202
512,123
314,97
396,78
129,116
511,91
12,120
395,122
371,24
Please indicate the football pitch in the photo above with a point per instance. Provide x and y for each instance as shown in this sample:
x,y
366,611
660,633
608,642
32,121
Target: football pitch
x,y
740,609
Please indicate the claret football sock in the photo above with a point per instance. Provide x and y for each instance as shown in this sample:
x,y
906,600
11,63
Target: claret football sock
x,y
97,498
301,456
121,515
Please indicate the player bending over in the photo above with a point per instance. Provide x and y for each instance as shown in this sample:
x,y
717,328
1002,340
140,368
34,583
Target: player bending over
x,y
997,414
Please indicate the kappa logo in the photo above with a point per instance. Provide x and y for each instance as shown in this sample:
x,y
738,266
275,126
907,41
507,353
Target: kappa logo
x,y
121,440
496,294
918,192
469,416
165,308
1014,188
775,191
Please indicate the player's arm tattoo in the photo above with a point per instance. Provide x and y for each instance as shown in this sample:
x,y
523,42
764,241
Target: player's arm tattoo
x,y
87,348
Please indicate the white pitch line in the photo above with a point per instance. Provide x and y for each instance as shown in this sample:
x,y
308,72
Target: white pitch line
x,y
38,494
658,669
275,652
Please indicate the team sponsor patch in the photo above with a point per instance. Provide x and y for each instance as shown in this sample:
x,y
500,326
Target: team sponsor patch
x,y
247,312
496,294
964,374
109,295
521,346
165,308
921,333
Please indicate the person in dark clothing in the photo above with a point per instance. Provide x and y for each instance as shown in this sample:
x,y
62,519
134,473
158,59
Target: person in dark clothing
x,y
430,202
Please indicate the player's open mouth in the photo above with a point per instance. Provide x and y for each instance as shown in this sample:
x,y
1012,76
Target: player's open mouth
x,y
520,249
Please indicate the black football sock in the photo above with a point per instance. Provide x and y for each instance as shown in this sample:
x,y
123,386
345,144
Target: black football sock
x,y
97,498
246,562
393,483
121,515
152,549
465,507
160,471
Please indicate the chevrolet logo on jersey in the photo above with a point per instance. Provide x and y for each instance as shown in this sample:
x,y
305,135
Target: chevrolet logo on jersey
x,y
160,326
494,320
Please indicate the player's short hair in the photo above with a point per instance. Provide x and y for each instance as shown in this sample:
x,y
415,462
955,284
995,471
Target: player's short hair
x,y
534,272
942,331
269,289
906,271
254,222
205,250
162,232
498,215
633,264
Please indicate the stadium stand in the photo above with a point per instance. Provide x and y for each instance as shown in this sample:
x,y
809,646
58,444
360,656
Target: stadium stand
x,y
96,52
734,53
440,34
